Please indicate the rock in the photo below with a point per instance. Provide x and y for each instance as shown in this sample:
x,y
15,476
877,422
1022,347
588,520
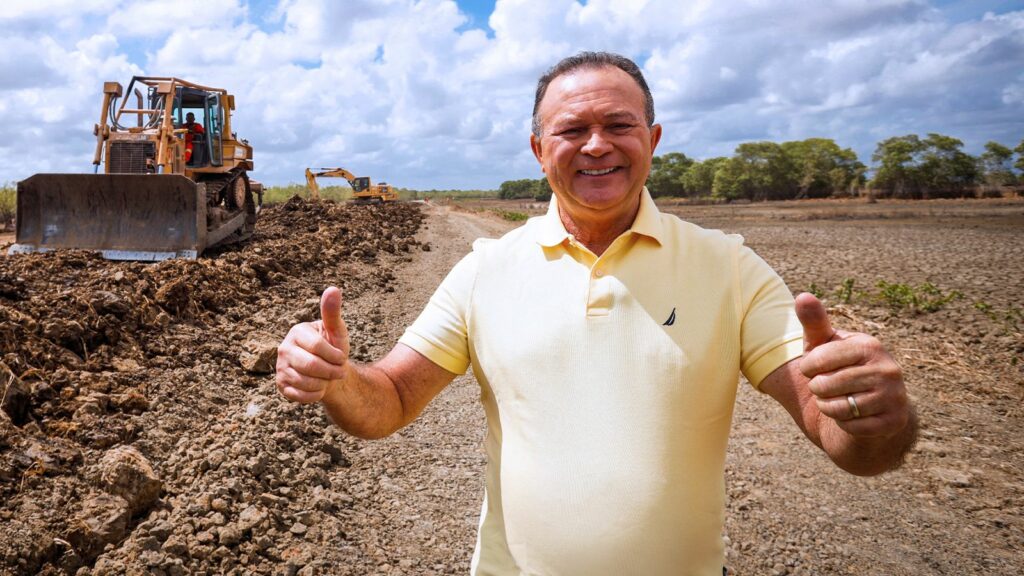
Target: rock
x,y
125,365
16,396
104,302
103,520
175,545
259,355
951,477
126,473
298,529
250,518
229,536
337,456
131,402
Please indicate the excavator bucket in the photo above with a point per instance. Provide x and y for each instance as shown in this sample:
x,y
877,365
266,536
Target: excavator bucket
x,y
145,217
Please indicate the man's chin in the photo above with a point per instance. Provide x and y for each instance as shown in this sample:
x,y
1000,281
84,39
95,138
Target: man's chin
x,y
597,198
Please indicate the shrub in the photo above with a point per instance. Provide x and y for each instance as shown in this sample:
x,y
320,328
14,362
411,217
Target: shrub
x,y
511,215
924,297
8,205
845,292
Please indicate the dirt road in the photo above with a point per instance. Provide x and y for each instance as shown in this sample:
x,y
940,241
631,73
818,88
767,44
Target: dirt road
x,y
235,480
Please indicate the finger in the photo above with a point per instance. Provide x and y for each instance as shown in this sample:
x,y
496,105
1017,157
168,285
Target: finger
x,y
300,396
877,426
311,339
836,355
330,313
308,364
288,377
853,379
840,408
814,318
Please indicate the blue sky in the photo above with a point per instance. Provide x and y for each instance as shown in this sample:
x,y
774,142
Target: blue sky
x,y
437,94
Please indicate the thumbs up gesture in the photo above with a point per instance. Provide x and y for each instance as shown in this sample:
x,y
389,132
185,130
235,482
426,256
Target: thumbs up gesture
x,y
854,381
314,355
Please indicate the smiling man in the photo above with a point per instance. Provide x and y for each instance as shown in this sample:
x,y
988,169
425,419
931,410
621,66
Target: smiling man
x,y
608,339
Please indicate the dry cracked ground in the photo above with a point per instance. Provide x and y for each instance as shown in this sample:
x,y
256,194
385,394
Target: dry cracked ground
x,y
141,432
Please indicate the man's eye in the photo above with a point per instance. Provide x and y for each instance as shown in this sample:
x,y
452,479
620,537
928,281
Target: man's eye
x,y
621,127
569,132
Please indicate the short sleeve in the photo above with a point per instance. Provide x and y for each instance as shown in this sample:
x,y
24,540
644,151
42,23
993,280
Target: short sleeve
x,y
771,333
439,333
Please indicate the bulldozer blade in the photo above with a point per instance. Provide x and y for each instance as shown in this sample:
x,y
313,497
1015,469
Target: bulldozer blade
x,y
123,216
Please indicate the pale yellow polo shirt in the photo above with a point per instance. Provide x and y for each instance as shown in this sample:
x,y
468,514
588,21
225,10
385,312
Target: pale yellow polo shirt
x,y
608,385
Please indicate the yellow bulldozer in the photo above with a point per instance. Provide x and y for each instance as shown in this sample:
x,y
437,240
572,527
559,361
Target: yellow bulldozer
x,y
174,181
363,191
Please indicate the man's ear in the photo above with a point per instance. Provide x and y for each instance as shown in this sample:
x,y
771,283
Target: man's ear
x,y
538,152
655,137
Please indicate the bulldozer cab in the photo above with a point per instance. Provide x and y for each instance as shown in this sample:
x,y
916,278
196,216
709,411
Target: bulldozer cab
x,y
206,107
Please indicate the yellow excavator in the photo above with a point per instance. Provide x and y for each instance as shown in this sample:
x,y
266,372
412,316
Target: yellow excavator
x,y
363,191
174,182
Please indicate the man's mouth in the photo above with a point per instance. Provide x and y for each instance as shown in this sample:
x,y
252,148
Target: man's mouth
x,y
600,172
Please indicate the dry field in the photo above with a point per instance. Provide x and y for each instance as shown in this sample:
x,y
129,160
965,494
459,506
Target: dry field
x,y
142,433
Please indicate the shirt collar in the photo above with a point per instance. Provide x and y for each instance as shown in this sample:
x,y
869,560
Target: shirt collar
x,y
647,222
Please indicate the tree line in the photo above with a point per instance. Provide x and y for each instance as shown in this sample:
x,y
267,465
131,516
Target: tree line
x,y
909,167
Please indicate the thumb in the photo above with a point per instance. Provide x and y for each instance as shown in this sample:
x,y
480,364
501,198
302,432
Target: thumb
x,y
817,328
330,313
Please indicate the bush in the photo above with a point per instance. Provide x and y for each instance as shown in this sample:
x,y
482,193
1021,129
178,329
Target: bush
x,y
8,206
922,298
511,216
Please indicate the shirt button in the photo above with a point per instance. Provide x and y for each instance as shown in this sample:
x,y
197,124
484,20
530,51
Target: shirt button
x,y
598,272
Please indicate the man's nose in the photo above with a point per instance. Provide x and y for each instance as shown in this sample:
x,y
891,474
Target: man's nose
x,y
596,144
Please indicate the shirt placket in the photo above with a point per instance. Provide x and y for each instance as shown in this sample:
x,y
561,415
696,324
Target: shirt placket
x,y
600,298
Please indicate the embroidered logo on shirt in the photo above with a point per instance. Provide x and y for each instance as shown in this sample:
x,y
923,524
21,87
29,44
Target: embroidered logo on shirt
x,y
671,319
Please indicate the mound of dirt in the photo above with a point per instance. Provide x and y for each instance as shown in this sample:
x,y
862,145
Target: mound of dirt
x,y
98,358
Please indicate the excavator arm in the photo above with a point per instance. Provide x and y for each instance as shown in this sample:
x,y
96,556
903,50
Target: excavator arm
x,y
358,183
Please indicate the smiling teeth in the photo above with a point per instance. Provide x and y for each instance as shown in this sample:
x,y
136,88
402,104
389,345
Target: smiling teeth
x,y
597,172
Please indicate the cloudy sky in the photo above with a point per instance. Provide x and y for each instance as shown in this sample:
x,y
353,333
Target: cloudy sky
x,y
437,93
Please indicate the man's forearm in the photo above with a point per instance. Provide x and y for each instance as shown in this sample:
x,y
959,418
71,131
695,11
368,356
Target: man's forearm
x,y
867,456
366,403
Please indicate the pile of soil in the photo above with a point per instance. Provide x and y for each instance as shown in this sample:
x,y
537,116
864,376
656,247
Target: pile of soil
x,y
110,371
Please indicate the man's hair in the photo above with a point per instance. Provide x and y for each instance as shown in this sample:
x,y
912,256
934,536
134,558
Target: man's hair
x,y
592,60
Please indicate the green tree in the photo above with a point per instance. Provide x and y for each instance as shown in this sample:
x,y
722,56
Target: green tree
x,y
995,164
510,189
542,190
1019,164
699,179
823,168
667,172
758,171
910,167
897,171
947,170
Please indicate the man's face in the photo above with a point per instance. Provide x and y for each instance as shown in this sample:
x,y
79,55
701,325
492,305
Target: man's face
x,y
595,145
190,118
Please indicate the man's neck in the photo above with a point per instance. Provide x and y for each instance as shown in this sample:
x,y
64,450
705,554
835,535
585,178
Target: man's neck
x,y
596,229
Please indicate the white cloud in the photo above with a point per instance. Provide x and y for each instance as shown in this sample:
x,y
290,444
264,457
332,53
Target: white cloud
x,y
398,90
156,17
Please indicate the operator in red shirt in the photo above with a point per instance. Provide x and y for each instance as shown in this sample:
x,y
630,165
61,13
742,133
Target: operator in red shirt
x,y
193,128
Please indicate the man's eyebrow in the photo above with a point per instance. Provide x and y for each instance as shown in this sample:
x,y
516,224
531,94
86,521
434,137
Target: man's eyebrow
x,y
620,115
570,118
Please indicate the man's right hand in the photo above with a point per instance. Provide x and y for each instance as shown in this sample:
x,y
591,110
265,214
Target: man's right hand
x,y
314,355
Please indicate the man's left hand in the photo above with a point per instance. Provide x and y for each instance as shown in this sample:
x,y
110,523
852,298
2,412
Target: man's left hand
x,y
853,379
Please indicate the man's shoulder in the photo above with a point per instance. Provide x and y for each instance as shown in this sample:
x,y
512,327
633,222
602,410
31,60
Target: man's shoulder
x,y
516,240
683,232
